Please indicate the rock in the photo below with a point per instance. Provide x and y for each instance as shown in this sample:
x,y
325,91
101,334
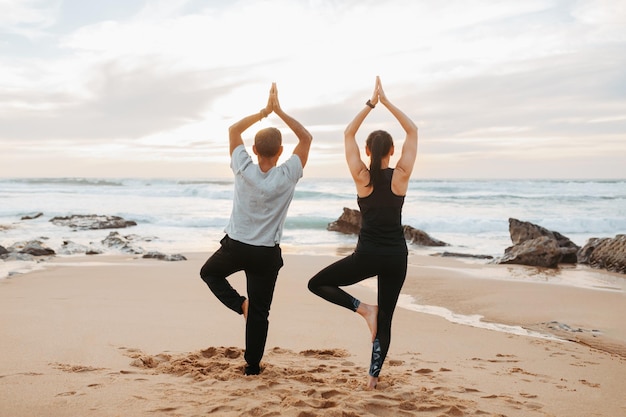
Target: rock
x,y
17,256
33,247
138,238
3,250
584,254
164,257
92,222
121,243
542,251
523,231
418,237
71,248
349,222
605,253
31,217
463,255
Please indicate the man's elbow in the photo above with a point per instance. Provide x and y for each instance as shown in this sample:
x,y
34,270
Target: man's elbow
x,y
232,130
305,137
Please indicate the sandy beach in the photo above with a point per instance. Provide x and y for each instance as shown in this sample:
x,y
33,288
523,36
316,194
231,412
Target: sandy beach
x,y
123,336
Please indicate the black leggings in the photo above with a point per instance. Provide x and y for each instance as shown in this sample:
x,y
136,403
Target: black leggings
x,y
391,272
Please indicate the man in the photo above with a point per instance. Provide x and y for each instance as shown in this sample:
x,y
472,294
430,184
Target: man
x,y
262,196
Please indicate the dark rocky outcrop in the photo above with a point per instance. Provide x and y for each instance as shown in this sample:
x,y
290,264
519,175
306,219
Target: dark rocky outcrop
x,y
32,216
92,222
30,250
33,247
126,244
524,231
463,255
164,257
534,245
419,237
17,256
72,248
350,223
541,251
121,243
605,253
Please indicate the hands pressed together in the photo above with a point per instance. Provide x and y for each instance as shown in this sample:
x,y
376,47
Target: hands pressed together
x,y
378,94
273,104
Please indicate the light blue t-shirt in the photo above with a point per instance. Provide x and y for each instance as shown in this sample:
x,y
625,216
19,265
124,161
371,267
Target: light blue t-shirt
x,y
261,199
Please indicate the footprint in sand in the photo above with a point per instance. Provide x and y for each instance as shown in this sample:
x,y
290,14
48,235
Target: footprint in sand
x,y
331,394
74,368
589,384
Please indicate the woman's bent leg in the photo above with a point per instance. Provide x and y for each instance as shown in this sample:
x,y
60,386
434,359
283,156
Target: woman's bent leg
x,y
344,272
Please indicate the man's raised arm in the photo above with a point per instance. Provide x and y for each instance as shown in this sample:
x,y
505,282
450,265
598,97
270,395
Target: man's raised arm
x,y
303,135
235,131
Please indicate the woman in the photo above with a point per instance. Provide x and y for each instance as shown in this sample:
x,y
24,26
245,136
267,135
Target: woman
x,y
381,249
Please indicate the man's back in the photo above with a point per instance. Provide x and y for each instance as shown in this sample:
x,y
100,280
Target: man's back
x,y
261,199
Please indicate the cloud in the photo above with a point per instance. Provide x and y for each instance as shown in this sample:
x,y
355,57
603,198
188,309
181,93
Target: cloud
x,y
117,102
162,80
28,18
534,95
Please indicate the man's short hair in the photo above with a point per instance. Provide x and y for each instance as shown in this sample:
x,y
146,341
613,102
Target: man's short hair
x,y
268,142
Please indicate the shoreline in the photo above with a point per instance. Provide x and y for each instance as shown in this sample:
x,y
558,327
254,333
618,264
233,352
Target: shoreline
x,y
124,335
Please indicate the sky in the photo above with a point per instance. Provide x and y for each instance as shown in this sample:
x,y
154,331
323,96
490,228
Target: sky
x,y
141,88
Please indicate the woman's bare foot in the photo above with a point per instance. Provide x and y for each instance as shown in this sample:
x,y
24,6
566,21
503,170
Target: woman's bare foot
x,y
370,314
244,307
372,381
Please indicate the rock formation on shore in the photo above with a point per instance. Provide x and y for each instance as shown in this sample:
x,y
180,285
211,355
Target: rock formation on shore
x,y
537,246
605,253
92,222
350,223
37,250
534,245
421,238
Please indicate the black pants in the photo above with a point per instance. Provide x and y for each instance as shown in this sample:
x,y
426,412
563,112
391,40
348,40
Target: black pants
x,y
261,265
391,272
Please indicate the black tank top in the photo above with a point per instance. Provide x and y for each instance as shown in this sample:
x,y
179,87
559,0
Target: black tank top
x,y
381,212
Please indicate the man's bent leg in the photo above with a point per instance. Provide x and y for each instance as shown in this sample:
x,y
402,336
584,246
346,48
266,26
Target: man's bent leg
x,y
220,265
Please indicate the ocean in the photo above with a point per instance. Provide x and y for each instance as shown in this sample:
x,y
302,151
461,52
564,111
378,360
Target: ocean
x,y
178,216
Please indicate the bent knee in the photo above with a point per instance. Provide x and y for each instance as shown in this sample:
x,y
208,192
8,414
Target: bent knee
x,y
207,276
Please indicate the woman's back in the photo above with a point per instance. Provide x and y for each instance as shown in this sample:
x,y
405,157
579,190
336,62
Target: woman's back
x,y
381,214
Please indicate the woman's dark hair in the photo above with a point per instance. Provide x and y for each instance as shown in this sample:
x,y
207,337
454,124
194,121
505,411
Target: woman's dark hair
x,y
379,143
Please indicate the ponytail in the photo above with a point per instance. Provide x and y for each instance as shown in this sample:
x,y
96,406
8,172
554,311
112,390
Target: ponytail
x,y
379,143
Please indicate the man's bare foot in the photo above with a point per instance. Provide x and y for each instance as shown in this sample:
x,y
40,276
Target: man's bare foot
x,y
244,307
370,314
372,381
